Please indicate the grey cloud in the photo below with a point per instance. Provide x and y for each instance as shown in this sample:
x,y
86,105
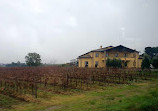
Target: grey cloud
x,y
60,30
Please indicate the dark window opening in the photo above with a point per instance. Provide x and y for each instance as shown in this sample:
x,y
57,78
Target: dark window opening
x,y
97,55
86,64
126,55
134,63
96,64
116,55
107,55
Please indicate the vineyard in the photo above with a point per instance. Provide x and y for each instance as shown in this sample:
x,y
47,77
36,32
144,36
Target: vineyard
x,y
28,80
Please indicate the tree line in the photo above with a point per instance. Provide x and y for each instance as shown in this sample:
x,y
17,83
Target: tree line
x,y
150,60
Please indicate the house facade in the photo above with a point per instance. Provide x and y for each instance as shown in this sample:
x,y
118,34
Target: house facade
x,y
97,58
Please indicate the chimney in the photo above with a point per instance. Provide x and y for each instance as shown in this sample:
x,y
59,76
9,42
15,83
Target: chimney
x,y
101,47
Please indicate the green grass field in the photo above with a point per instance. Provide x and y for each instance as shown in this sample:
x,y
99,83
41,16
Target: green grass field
x,y
140,96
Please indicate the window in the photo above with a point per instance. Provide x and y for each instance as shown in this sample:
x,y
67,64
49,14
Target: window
x,y
125,64
86,63
97,54
134,55
116,55
126,55
134,63
96,63
107,54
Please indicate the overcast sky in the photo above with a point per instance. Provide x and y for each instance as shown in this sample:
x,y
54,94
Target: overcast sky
x,y
61,30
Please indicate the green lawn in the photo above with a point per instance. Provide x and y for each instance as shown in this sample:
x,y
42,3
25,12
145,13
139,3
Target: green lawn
x,y
140,96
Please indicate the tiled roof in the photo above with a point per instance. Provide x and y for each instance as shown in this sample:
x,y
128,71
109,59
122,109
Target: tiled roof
x,y
96,50
85,56
119,48
102,49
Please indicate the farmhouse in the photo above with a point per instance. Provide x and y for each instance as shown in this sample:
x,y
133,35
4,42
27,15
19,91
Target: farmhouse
x,y
97,58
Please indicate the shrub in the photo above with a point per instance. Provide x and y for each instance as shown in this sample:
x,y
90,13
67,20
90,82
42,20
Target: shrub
x,y
113,63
